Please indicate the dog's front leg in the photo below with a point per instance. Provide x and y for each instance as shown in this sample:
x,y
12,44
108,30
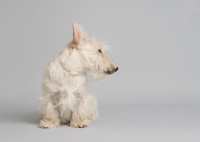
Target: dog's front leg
x,y
49,112
84,111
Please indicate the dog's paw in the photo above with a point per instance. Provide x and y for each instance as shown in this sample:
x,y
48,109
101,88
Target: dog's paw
x,y
47,124
83,124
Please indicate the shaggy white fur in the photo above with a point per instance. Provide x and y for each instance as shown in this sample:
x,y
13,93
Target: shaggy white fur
x,y
65,96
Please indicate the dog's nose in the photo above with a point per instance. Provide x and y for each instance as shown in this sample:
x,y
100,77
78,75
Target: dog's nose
x,y
111,71
116,69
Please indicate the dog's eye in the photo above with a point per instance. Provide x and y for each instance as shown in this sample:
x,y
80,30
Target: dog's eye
x,y
100,51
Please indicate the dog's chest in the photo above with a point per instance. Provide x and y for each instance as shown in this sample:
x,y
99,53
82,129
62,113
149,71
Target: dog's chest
x,y
67,103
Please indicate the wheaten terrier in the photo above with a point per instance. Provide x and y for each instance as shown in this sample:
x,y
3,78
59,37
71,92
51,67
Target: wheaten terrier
x,y
65,96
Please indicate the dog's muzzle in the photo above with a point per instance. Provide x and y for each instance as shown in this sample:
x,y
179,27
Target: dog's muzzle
x,y
111,71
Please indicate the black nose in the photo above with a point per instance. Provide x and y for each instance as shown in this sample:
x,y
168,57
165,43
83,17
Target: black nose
x,y
116,69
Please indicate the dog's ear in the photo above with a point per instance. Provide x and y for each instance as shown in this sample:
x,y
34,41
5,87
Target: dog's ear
x,y
77,33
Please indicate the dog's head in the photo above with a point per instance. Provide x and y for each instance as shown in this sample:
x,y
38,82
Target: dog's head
x,y
92,53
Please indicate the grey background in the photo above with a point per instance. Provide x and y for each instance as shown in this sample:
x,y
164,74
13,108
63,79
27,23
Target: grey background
x,y
153,97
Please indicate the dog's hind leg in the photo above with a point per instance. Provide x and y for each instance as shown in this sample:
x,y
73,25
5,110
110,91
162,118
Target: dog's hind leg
x,y
84,112
49,112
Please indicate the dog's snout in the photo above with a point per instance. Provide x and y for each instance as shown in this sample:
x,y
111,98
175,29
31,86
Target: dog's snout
x,y
111,71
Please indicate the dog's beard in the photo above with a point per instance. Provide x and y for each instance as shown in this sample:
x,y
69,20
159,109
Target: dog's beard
x,y
96,75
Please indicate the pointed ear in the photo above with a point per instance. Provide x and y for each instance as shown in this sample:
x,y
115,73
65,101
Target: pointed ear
x,y
77,33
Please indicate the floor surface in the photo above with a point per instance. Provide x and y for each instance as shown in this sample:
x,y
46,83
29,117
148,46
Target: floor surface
x,y
115,124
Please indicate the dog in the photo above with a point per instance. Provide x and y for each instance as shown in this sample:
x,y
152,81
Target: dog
x,y
65,96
